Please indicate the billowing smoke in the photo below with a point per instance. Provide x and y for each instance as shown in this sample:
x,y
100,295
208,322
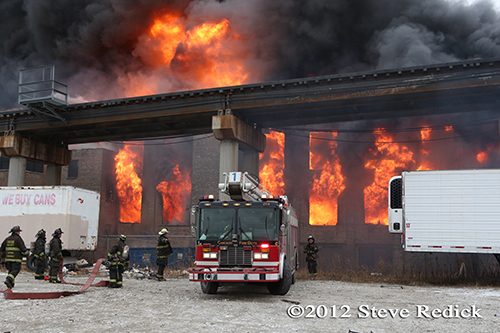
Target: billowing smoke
x,y
102,48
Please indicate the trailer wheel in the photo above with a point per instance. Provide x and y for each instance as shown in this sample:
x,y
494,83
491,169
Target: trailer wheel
x,y
282,286
209,287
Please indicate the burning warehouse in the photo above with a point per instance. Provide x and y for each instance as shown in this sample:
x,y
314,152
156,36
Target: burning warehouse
x,y
335,171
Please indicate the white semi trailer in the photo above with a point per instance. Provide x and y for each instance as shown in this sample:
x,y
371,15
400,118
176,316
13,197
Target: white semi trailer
x,y
74,210
455,211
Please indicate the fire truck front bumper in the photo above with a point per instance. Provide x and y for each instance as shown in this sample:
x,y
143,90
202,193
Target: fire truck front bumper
x,y
255,274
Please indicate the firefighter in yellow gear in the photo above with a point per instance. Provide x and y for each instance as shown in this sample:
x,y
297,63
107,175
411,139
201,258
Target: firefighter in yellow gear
x,y
56,256
118,263
163,252
39,254
12,251
311,250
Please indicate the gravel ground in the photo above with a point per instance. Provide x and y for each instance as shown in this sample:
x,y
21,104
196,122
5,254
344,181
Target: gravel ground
x,y
177,305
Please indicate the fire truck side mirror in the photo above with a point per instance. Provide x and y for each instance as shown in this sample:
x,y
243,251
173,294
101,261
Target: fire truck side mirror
x,y
283,228
194,214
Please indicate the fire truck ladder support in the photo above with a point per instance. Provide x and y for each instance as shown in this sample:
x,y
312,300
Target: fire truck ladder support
x,y
9,294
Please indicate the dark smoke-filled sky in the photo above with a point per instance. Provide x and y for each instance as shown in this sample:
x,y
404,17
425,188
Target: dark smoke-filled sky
x,y
102,49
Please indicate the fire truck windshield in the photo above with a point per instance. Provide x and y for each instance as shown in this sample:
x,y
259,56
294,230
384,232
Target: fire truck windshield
x,y
258,224
250,223
215,223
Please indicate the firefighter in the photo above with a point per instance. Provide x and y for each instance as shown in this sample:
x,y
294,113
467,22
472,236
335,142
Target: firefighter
x,y
12,252
56,256
311,251
39,254
117,258
163,252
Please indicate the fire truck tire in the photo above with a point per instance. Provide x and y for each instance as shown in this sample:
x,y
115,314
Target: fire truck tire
x,y
209,287
282,286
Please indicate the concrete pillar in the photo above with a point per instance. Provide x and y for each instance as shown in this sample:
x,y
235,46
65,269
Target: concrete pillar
x,y
250,162
20,149
53,175
228,161
233,133
17,171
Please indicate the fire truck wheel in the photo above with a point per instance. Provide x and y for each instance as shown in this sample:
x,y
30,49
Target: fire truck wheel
x,y
282,286
209,287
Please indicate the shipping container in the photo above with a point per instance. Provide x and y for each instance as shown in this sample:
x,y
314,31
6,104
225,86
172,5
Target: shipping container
x,y
74,210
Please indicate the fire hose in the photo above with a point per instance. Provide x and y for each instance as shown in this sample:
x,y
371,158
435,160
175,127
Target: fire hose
x,y
9,294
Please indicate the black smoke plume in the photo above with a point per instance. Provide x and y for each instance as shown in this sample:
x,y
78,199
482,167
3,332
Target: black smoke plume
x,y
95,44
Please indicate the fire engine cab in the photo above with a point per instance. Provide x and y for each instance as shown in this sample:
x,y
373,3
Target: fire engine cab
x,y
251,238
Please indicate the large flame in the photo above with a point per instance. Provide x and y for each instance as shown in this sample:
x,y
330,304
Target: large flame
x,y
176,193
272,163
128,166
328,182
198,54
386,160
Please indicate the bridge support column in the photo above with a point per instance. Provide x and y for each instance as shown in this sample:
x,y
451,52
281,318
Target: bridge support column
x,y
250,162
235,135
228,161
21,149
17,171
53,175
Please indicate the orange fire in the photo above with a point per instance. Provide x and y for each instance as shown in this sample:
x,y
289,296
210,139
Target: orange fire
x,y
128,167
425,134
328,182
483,156
272,163
199,54
387,159
176,193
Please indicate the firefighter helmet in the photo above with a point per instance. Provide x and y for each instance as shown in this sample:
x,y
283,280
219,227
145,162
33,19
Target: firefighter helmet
x,y
310,237
163,231
122,237
41,232
15,229
57,232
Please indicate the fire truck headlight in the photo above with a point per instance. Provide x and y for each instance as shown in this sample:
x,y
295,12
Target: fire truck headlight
x,y
261,256
210,255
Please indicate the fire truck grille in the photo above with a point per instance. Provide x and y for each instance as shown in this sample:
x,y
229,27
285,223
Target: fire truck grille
x,y
235,256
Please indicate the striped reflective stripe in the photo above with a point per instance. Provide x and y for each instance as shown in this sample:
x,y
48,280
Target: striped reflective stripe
x,y
11,248
163,246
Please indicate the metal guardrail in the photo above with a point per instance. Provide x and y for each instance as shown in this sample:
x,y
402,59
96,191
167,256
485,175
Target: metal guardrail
x,y
38,84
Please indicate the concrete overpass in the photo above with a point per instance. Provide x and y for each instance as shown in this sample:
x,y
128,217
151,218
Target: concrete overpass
x,y
236,114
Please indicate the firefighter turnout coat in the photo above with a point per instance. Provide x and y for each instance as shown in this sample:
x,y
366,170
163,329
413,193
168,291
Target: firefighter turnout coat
x,y
13,249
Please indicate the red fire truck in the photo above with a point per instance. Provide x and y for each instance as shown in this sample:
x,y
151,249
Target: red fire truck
x,y
251,238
